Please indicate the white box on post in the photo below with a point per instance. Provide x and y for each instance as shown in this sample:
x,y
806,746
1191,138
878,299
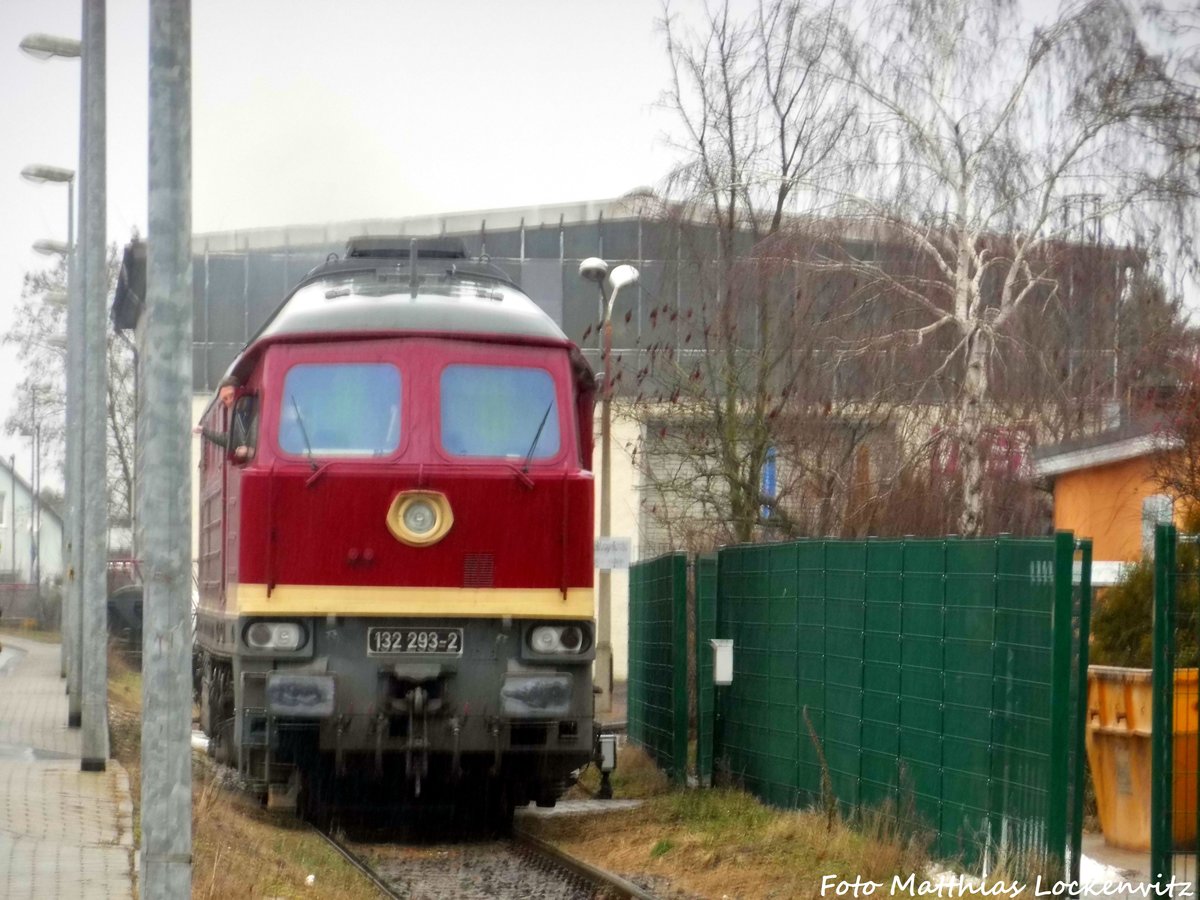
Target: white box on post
x,y
722,660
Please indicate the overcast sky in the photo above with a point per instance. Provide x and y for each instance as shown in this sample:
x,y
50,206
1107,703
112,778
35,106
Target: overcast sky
x,y
309,111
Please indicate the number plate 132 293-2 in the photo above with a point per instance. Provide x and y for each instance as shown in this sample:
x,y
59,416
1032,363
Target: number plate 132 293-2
x,y
386,641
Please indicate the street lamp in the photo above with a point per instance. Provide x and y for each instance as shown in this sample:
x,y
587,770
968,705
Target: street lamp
x,y
41,174
38,174
49,46
43,47
610,283
49,247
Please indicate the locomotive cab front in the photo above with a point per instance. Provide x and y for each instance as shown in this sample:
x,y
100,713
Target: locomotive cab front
x,y
396,550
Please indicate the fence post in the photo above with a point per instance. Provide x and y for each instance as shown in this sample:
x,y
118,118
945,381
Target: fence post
x,y
634,676
1079,776
1162,715
706,621
679,669
1060,699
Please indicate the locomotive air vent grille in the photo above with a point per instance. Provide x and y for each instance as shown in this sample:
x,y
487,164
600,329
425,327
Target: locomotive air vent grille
x,y
478,570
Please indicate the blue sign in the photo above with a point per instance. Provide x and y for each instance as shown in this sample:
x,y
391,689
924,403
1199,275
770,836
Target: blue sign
x,y
768,480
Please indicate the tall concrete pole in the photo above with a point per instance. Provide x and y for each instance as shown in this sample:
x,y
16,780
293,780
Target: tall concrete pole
x,y
76,353
94,395
70,628
165,492
33,489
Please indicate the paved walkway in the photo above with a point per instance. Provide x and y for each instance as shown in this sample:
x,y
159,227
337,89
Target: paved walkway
x,y
63,832
620,705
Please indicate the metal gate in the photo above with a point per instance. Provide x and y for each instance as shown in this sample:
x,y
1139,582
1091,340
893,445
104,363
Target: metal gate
x,y
1175,767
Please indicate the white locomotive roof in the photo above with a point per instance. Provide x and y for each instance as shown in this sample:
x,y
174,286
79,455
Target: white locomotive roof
x,y
386,299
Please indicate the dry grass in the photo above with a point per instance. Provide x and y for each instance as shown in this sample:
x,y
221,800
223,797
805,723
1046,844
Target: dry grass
x,y
635,776
238,848
32,634
724,843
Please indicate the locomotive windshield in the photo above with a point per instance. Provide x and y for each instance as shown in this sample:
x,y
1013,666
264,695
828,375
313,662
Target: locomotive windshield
x,y
499,411
340,410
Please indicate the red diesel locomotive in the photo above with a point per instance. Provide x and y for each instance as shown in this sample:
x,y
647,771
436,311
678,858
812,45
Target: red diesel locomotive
x,y
396,534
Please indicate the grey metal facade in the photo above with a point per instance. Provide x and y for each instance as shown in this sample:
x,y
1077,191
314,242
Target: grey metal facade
x,y
240,277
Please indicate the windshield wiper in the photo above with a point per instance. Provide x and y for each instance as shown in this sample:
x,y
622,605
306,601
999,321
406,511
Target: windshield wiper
x,y
303,432
537,437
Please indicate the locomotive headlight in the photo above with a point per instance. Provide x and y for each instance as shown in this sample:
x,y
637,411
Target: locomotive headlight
x,y
420,517
283,636
557,639
545,639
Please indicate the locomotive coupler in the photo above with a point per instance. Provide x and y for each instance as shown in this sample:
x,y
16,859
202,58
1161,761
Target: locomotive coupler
x,y
417,701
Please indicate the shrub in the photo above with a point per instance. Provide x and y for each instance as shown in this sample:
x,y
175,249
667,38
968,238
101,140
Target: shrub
x,y
1123,621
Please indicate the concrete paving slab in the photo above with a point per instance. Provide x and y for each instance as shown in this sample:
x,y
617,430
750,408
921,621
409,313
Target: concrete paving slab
x,y
63,832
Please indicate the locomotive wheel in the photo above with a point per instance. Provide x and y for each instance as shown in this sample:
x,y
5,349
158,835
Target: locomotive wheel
x,y
316,793
220,718
220,744
498,807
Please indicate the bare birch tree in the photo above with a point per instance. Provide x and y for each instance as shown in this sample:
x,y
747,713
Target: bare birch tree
x,y
985,132
39,326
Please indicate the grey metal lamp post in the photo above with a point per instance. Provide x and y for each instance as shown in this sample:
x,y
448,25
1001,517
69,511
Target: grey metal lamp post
x,y
39,174
34,433
86,442
610,283
43,47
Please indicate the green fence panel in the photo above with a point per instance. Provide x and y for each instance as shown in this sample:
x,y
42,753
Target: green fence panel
x,y
1082,634
883,649
706,630
658,697
1022,694
758,723
932,677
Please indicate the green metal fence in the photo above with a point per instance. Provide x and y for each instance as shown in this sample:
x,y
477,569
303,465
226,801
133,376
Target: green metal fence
x,y
941,679
658,642
1175,766
932,677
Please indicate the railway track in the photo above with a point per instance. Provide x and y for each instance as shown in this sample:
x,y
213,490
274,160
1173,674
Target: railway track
x,y
520,867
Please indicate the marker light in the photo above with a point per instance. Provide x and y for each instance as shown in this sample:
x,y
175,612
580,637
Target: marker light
x,y
275,636
557,639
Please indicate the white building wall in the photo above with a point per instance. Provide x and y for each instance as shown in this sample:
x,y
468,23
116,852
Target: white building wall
x,y
626,507
16,535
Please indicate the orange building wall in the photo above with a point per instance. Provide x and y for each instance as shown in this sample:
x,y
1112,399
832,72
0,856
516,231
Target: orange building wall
x,y
1105,504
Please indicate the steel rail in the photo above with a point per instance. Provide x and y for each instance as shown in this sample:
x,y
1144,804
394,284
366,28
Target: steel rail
x,y
612,885
354,860
606,880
